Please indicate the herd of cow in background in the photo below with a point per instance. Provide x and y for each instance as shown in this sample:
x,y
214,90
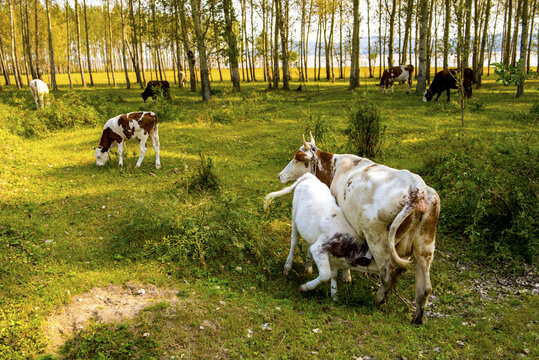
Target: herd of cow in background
x,y
354,214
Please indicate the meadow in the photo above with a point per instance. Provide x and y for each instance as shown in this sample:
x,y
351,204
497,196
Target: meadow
x,y
197,227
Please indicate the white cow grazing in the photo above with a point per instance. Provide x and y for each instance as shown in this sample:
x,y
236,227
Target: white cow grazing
x,y
395,210
333,243
39,90
139,125
182,78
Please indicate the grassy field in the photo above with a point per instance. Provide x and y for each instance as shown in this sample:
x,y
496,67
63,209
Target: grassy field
x,y
67,226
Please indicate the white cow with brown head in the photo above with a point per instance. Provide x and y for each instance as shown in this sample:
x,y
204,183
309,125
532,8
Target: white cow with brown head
x,y
139,125
394,209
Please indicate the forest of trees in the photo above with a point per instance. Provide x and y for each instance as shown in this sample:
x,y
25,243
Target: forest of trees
x,y
282,37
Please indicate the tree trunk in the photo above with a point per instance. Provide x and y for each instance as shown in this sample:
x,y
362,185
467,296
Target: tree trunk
x,y
124,56
27,41
68,42
230,20
77,21
507,47
354,64
391,34
515,33
422,67
111,53
51,49
36,23
187,50
284,42
467,30
134,42
369,38
379,38
14,58
3,63
277,11
446,33
201,46
88,56
479,70
253,60
530,40
523,44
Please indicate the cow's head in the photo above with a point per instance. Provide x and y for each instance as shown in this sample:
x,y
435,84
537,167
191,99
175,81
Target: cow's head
x,y
145,95
427,96
101,155
300,164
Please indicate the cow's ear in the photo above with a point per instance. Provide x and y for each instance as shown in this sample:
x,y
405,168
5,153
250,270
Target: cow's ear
x,y
302,157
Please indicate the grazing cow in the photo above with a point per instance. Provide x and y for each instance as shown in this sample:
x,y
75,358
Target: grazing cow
x,y
397,73
446,80
39,89
395,210
155,88
139,125
333,243
182,78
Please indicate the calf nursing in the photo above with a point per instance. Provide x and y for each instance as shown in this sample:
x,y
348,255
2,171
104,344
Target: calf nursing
x,y
332,242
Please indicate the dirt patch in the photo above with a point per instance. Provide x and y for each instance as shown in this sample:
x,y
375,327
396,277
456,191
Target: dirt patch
x,y
113,303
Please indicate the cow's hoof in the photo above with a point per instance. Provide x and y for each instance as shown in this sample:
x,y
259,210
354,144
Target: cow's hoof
x,y
286,271
158,166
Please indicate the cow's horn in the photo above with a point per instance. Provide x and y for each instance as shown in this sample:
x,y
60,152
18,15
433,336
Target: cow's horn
x,y
307,147
312,139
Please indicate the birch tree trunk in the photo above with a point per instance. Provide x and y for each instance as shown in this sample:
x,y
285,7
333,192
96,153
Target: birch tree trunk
x,y
202,57
187,50
111,53
354,64
51,49
27,41
446,33
3,63
230,20
530,40
391,34
36,23
284,42
523,44
14,58
466,45
124,57
422,66
507,46
77,21
479,70
88,55
515,32
68,48
277,11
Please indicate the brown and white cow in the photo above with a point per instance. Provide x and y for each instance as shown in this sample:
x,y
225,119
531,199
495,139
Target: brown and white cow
x,y
397,73
394,209
138,125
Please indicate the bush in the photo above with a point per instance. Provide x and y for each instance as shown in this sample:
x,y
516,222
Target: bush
x,y
205,179
365,130
489,198
162,107
322,130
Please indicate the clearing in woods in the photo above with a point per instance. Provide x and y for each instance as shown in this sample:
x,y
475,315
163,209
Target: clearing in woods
x,y
79,242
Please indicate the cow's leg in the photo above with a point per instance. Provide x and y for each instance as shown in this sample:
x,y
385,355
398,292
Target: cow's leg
x,y
392,83
154,136
380,253
42,100
448,91
437,97
143,150
293,242
37,102
346,276
309,262
324,269
120,152
334,284
409,82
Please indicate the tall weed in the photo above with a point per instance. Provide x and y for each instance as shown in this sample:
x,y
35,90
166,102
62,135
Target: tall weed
x,y
365,130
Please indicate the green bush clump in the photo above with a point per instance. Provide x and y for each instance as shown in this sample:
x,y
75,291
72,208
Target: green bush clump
x,y
322,130
162,107
205,178
489,198
365,130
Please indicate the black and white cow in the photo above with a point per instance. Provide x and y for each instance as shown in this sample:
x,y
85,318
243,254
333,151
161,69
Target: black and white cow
x,y
138,125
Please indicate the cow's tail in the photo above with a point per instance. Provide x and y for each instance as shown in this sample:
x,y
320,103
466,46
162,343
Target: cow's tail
x,y
416,200
269,198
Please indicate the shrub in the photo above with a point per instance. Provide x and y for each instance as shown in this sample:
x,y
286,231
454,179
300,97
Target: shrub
x,y
322,130
161,106
489,198
205,179
365,130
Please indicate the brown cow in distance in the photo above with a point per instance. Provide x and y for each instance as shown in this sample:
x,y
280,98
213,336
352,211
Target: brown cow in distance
x,y
155,88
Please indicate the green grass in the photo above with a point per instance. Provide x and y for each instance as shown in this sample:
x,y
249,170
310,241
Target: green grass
x,y
67,226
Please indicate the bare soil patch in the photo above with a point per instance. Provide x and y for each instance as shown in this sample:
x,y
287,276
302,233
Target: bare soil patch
x,y
113,303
